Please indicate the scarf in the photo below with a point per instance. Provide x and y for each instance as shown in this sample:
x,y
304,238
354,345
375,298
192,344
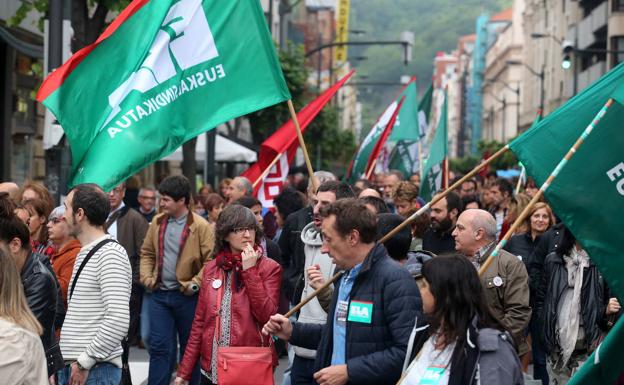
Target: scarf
x,y
228,261
569,319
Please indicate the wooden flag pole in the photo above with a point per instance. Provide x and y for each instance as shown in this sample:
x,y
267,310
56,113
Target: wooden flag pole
x,y
420,160
313,294
266,170
519,184
372,168
545,186
446,172
441,195
306,157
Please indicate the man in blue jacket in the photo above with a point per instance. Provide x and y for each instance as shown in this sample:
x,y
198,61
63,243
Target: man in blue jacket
x,y
373,310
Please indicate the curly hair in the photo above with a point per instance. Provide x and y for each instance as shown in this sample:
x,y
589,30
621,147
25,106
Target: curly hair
x,y
232,217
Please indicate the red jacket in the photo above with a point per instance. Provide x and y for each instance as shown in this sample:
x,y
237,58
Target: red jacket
x,y
252,305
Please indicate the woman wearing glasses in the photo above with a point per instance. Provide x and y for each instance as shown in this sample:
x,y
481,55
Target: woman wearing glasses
x,y
247,283
66,248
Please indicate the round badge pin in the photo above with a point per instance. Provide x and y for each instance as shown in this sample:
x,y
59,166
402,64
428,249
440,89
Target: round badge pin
x,y
498,281
216,283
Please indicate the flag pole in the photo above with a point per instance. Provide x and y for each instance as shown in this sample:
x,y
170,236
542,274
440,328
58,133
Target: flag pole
x,y
444,193
546,185
446,172
405,223
306,157
519,184
266,170
372,168
420,160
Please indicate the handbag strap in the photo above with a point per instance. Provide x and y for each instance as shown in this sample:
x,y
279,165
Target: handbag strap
x,y
84,262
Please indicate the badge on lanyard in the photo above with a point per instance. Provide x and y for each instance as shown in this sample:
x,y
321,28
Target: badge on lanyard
x,y
341,312
360,311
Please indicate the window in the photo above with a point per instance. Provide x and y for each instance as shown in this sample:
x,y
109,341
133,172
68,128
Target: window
x,y
617,44
617,5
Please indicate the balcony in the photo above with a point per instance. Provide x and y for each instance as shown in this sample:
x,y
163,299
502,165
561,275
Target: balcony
x,y
593,23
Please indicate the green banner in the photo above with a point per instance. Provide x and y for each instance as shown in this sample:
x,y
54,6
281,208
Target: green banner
x,y
158,77
433,170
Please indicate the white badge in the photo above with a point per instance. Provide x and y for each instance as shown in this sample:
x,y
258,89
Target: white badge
x,y
498,281
216,283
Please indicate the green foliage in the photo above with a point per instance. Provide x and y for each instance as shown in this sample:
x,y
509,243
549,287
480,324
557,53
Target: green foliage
x,y
336,145
265,122
436,25
506,161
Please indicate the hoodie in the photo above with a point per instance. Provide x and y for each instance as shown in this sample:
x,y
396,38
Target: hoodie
x,y
312,312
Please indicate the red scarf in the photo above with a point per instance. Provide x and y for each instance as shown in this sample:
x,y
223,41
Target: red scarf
x,y
227,261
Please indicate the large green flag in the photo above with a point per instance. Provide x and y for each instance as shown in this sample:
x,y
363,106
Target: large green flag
x,y
162,73
433,170
404,156
588,193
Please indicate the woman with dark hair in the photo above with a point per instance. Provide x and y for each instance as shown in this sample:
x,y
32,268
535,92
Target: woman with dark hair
x,y
249,287
269,247
573,307
37,224
466,345
38,280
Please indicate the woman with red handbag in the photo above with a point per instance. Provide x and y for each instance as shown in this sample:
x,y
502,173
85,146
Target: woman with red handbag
x,y
239,292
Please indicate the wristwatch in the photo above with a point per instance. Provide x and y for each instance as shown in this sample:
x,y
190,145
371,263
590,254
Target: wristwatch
x,y
194,287
79,366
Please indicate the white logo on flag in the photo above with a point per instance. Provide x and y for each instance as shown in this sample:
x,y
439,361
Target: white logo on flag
x,y
273,183
183,41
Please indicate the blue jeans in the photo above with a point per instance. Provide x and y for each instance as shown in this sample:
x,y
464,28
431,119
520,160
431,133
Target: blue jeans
x,y
169,311
101,374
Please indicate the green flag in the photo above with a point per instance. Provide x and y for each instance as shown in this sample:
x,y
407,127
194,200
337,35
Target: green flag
x,y
406,125
404,156
162,73
433,170
588,193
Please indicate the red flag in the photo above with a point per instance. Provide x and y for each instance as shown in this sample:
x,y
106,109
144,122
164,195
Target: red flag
x,y
284,143
382,139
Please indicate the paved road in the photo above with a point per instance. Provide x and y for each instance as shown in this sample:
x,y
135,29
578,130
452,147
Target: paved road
x,y
139,366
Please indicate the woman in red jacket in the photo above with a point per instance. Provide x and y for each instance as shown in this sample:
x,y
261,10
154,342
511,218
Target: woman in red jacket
x,y
250,285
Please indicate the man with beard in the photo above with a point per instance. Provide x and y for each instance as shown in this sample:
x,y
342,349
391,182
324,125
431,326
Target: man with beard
x,y
444,213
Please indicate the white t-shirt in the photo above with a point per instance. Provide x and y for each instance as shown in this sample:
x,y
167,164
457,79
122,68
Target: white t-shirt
x,y
433,367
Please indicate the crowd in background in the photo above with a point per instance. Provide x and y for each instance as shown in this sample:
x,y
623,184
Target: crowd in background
x,y
182,273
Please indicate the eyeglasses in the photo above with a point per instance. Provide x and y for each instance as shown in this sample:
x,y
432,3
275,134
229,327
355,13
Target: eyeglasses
x,y
148,198
56,220
117,190
242,230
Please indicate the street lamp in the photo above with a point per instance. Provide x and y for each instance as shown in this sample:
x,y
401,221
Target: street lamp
x,y
540,75
536,35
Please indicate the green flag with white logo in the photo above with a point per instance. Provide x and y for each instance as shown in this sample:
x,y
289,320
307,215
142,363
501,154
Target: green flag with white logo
x,y
162,73
404,156
433,170
588,194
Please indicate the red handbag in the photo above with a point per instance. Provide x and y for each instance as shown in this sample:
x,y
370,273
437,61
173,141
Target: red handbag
x,y
242,365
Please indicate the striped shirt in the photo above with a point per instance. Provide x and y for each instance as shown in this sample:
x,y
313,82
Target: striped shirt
x,y
98,312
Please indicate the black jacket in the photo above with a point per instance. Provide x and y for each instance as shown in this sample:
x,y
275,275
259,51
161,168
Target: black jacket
x,y
41,291
438,243
293,254
547,243
374,352
594,299
522,245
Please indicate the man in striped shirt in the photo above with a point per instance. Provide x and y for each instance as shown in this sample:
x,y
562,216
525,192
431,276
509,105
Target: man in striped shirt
x,y
97,311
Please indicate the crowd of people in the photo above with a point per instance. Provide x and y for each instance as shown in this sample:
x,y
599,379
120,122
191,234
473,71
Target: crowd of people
x,y
184,274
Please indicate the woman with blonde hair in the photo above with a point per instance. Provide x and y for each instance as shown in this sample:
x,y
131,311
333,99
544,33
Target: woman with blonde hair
x,y
22,359
539,220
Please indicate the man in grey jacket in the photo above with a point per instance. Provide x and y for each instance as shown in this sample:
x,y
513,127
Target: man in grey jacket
x,y
302,370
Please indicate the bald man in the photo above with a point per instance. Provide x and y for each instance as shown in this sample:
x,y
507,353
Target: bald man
x,y
11,188
506,281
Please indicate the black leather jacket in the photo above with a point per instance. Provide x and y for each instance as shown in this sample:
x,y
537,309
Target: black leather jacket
x,y
41,290
594,299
